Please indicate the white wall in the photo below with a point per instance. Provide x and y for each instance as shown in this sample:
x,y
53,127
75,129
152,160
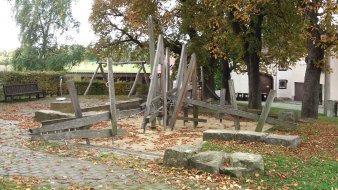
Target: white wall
x,y
334,79
241,82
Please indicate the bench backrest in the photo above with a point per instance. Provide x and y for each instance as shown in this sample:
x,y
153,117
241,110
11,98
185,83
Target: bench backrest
x,y
20,88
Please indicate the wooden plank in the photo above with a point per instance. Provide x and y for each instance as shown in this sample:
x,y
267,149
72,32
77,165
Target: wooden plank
x,y
266,110
112,97
153,81
91,81
74,98
194,96
182,92
153,116
128,113
135,82
191,119
101,133
48,122
123,62
72,124
233,102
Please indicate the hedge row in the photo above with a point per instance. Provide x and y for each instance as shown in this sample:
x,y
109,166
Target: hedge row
x,y
49,83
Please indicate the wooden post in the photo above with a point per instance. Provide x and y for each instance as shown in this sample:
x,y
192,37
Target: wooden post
x,y
202,81
153,81
194,96
112,98
265,111
91,81
234,103
181,68
75,101
135,83
183,91
74,98
222,103
165,81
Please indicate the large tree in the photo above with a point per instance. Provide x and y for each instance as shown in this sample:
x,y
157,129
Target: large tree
x,y
41,22
321,32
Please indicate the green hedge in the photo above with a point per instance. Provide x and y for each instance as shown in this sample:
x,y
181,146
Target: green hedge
x,y
49,83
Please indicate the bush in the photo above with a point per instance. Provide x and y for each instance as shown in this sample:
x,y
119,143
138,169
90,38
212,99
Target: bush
x,y
49,83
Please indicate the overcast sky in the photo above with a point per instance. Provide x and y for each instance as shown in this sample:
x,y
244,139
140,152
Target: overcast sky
x,y
9,32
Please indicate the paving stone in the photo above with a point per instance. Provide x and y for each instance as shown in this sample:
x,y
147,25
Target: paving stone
x,y
219,134
62,174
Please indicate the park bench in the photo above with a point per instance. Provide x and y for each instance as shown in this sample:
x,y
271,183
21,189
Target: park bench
x,y
12,90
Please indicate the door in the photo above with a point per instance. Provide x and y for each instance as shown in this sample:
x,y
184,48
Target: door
x,y
299,92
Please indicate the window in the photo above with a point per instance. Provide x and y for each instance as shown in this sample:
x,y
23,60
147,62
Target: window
x,y
283,84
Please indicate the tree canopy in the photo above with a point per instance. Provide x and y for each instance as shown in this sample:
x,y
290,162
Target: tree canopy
x,y
41,23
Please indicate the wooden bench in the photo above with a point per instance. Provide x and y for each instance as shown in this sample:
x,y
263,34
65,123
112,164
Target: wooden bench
x,y
12,90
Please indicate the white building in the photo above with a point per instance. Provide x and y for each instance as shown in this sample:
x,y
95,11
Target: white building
x,y
289,83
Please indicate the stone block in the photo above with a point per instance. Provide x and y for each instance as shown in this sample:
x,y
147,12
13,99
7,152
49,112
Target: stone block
x,y
178,156
252,162
233,171
219,134
62,106
210,161
284,140
330,108
44,115
250,136
288,116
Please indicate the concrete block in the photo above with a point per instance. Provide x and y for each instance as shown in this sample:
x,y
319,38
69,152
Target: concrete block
x,y
330,108
62,106
44,115
288,116
284,140
250,136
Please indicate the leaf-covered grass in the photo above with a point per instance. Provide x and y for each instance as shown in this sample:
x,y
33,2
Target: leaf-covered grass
x,y
312,165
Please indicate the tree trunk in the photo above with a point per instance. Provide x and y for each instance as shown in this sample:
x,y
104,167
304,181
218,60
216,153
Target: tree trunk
x,y
225,77
252,48
209,79
312,75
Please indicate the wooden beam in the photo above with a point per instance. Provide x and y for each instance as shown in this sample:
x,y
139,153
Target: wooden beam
x,y
181,67
165,81
265,111
48,122
194,96
112,97
231,111
191,119
135,83
74,98
151,42
222,103
91,81
182,92
72,124
103,74
233,102
101,133
153,81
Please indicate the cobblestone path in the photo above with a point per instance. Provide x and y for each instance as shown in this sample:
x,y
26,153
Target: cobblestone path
x,y
61,171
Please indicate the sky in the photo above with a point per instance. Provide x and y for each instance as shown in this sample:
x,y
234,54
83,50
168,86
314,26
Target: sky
x,y
9,32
